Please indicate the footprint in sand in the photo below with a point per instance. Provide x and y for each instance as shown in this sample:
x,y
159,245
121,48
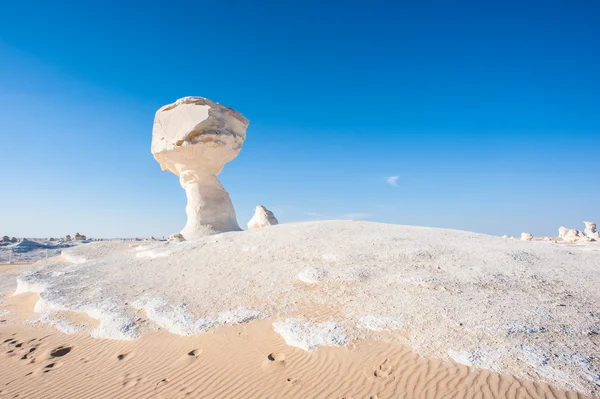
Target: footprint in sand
x,y
383,371
50,367
131,380
60,351
195,352
275,361
186,360
124,356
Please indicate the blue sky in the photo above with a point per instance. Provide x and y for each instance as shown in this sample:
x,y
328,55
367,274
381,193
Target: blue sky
x,y
488,112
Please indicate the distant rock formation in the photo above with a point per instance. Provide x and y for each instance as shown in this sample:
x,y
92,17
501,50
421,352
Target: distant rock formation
x,y
6,239
526,237
591,232
68,238
177,237
79,237
505,236
194,138
262,218
571,235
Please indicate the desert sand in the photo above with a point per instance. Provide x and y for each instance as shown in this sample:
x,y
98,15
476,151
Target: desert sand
x,y
244,361
432,312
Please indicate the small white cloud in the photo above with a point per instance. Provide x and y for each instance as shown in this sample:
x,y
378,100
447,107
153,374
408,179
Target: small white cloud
x,y
311,213
392,180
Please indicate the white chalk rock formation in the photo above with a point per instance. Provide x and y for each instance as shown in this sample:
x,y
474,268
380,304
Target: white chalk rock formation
x,y
177,237
571,235
590,231
262,218
6,239
526,237
194,138
67,238
79,237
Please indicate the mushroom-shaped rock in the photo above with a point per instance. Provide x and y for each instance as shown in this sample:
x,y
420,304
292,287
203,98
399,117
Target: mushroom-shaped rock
x,y
590,231
262,218
79,237
526,237
194,138
67,238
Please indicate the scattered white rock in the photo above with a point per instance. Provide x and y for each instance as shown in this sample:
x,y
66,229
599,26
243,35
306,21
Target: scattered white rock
x,y
194,138
176,319
57,322
460,357
309,335
526,237
312,275
262,218
505,236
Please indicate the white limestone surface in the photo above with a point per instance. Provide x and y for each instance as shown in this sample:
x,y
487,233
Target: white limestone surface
x,y
529,309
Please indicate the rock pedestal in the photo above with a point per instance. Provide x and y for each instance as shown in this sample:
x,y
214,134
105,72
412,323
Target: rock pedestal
x,y
591,232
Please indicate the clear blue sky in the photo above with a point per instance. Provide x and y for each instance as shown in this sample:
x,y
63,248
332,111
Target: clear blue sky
x,y
487,111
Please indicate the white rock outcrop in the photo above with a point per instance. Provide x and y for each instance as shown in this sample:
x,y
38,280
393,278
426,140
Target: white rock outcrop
x,y
262,218
571,235
177,237
526,237
79,237
194,138
67,238
591,232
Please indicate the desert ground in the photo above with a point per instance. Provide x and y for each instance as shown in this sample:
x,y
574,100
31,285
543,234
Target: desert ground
x,y
306,310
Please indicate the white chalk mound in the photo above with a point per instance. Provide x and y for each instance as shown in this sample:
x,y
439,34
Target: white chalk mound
x,y
515,307
309,335
194,138
262,218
